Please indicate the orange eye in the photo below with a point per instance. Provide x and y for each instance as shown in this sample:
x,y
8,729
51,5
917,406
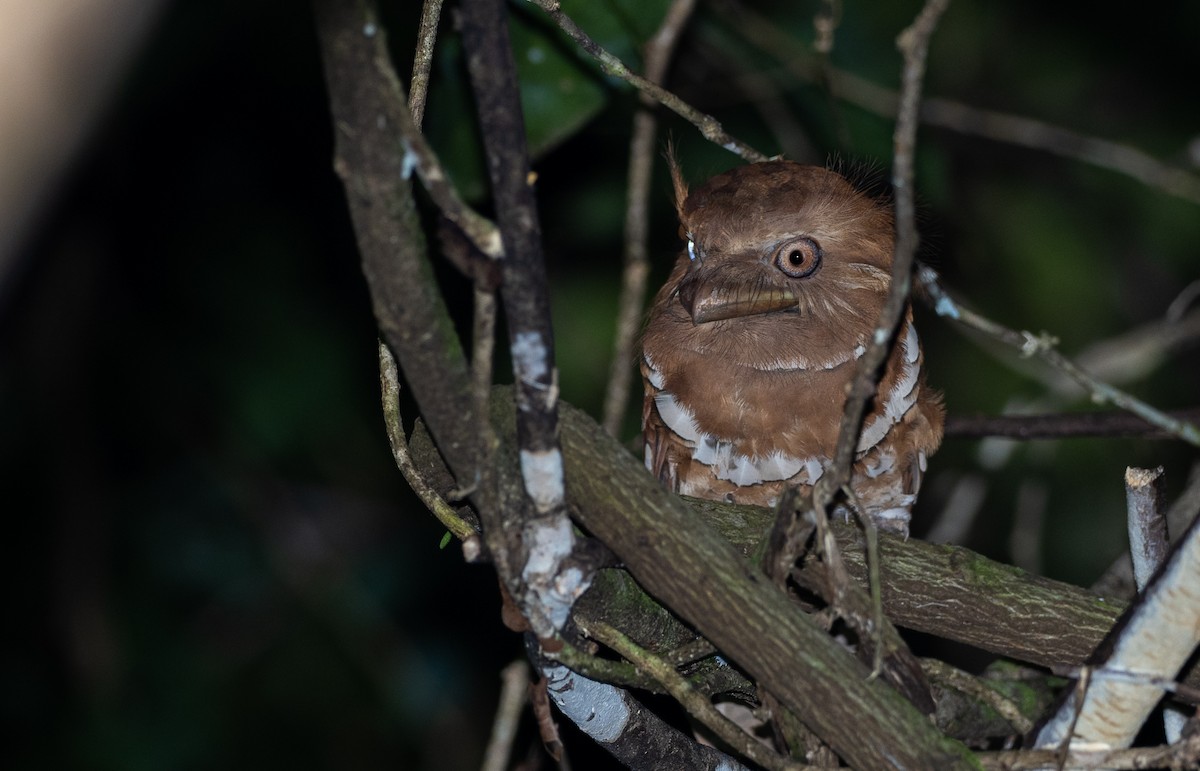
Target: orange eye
x,y
798,257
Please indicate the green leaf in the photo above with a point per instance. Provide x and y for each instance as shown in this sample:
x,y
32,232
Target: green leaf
x,y
562,89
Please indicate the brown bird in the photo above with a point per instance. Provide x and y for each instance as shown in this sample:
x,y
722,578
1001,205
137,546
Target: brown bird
x,y
751,344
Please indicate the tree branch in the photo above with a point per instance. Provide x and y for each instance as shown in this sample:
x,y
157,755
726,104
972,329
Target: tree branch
x,y
705,580
1042,346
1154,642
637,226
914,44
409,309
611,65
961,118
1064,425
538,566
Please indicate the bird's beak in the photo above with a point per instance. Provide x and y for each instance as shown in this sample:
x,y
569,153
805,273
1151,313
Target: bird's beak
x,y
713,300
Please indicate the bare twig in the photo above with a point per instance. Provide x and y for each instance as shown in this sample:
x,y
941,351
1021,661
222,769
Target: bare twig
x,y
965,119
914,43
709,127
418,85
389,382
1117,580
1065,425
514,690
1042,346
1147,525
419,156
1148,546
941,672
641,161
367,104
697,704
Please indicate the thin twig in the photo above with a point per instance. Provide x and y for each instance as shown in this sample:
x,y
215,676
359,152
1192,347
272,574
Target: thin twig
x,y
619,673
697,704
389,382
514,691
420,157
418,85
1147,526
1042,346
484,337
637,221
367,102
1064,425
709,126
977,689
961,118
914,43
1117,580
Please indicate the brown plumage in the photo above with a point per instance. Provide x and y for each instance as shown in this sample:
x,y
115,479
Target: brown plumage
x,y
751,343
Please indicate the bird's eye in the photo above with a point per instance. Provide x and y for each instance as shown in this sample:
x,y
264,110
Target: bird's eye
x,y
798,257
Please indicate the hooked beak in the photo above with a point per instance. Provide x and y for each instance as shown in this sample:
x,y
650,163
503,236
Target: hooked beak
x,y
713,300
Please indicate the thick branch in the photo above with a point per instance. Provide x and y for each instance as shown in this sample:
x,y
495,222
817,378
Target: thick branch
x,y
410,311
704,579
1153,643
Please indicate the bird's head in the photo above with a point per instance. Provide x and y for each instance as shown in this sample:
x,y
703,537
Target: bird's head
x,y
782,237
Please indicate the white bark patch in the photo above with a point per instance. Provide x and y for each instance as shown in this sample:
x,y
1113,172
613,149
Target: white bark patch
x,y
410,162
597,708
552,589
531,363
530,356
542,472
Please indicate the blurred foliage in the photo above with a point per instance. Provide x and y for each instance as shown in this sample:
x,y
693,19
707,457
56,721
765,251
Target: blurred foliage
x,y
216,563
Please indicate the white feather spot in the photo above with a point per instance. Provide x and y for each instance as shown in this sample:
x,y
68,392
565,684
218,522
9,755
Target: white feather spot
x,y
893,515
677,417
875,429
884,462
778,466
912,345
653,374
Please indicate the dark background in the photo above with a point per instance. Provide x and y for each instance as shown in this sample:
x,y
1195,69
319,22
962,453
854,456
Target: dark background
x,y
211,560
